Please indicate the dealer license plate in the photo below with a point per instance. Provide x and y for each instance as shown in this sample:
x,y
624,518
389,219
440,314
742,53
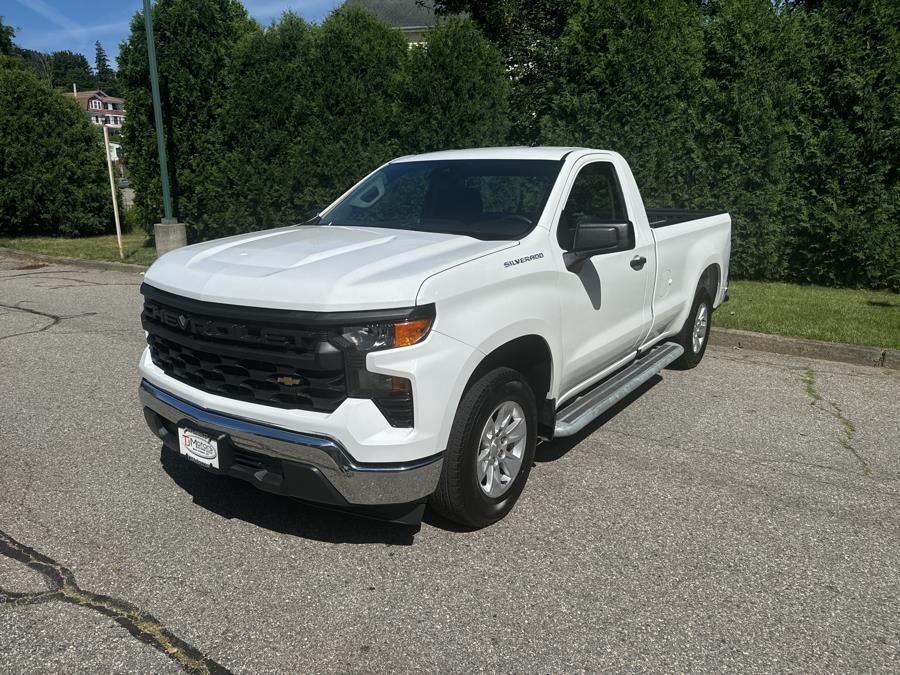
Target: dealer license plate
x,y
198,447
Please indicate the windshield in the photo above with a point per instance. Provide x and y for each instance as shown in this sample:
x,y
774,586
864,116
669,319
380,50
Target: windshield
x,y
481,198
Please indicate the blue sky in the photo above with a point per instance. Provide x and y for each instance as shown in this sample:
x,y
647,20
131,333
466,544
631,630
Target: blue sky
x,y
53,25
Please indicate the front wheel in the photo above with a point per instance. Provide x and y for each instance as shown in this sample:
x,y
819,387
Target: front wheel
x,y
694,336
490,450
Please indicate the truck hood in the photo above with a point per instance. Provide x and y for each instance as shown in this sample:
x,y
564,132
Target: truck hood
x,y
315,268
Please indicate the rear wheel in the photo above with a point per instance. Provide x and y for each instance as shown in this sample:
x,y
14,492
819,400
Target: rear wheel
x,y
490,450
694,336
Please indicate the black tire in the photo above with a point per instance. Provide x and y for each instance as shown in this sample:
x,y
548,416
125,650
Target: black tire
x,y
459,496
685,338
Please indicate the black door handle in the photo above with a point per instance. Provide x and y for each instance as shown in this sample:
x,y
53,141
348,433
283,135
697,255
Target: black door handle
x,y
638,262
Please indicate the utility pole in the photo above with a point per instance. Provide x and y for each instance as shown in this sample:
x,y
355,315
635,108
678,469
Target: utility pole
x,y
169,233
112,189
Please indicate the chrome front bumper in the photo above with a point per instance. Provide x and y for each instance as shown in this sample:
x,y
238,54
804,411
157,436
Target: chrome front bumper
x,y
291,462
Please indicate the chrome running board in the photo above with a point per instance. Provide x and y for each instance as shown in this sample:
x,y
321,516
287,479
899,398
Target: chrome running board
x,y
575,416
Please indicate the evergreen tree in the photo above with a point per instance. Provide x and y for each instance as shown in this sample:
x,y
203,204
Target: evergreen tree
x,y
457,91
68,68
195,41
357,83
753,131
54,179
7,33
105,75
261,178
850,169
631,75
40,63
527,33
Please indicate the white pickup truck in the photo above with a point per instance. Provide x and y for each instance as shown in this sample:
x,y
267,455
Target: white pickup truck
x,y
413,342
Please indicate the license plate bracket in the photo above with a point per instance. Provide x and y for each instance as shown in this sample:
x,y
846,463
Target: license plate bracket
x,y
204,448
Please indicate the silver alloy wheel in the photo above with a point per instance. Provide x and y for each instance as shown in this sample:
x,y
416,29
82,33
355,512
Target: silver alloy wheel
x,y
700,327
501,448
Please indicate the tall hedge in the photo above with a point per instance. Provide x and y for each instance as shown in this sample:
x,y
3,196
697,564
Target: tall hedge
x,y
457,91
300,112
752,131
630,74
850,168
194,41
260,177
53,177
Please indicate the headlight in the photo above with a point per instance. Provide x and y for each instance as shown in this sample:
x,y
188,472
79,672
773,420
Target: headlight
x,y
377,336
385,330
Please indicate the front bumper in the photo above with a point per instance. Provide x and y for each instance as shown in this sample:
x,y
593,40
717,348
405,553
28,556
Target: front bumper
x,y
309,467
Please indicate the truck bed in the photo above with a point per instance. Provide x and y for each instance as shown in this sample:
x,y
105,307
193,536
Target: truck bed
x,y
666,217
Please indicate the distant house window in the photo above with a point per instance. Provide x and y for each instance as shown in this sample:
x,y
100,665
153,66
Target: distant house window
x,y
95,104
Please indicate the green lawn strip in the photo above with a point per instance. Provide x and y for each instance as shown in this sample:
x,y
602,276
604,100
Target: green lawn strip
x,y
814,312
136,247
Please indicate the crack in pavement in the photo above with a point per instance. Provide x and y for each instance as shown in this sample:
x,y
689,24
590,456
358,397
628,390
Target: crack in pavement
x,y
86,282
140,624
55,319
847,425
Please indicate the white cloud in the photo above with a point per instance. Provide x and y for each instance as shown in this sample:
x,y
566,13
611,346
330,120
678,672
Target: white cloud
x,y
52,14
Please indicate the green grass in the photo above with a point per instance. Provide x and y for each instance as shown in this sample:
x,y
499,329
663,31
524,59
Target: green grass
x,y
814,312
136,247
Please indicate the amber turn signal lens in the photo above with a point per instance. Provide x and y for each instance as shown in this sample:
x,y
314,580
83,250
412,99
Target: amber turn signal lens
x,y
411,332
400,386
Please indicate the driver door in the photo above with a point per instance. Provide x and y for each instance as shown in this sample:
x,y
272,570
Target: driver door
x,y
602,300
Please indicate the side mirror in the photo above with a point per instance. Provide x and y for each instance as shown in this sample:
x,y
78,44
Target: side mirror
x,y
597,238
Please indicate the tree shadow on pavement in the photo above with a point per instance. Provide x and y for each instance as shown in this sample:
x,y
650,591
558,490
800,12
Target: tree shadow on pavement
x,y
233,498
551,451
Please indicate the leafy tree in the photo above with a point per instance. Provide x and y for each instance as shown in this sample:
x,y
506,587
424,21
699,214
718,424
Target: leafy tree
x,y
40,63
458,92
7,33
630,78
68,68
54,170
105,75
195,40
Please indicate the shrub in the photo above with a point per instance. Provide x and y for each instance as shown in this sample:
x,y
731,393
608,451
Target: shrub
x,y
53,179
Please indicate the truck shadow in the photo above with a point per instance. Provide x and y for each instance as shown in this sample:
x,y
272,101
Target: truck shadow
x,y
550,451
232,498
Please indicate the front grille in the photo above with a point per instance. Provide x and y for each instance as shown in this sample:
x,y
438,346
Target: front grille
x,y
255,355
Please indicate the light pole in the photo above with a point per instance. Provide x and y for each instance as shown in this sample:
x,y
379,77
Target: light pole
x,y
169,233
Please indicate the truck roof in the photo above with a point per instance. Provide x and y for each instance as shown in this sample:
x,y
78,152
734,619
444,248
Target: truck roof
x,y
516,152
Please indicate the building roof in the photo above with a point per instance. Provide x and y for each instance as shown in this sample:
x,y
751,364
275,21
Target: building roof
x,y
399,13
84,96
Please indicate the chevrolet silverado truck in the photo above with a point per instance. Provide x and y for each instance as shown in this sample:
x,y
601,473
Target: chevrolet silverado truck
x,y
412,343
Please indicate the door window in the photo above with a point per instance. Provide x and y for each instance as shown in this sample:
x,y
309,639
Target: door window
x,y
595,197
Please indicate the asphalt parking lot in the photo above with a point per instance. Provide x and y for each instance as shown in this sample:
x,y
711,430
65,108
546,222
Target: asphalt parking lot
x,y
742,516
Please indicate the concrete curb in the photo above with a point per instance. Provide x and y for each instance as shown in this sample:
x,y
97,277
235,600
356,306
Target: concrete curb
x,y
76,262
720,337
814,349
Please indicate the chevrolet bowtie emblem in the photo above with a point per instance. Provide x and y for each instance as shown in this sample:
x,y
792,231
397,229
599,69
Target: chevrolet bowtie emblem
x,y
288,381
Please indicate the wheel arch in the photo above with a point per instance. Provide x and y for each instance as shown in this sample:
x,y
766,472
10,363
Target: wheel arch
x,y
711,280
531,356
